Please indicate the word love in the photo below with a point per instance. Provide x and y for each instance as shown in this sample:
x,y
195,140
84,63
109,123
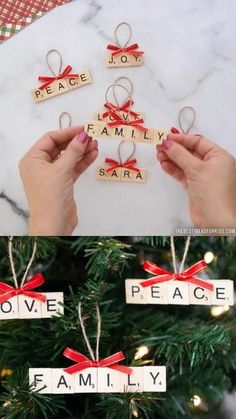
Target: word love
x,y
125,132
109,116
23,307
60,85
178,292
98,380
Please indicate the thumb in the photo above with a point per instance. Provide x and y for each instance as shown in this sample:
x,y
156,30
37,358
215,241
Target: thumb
x,y
181,156
74,151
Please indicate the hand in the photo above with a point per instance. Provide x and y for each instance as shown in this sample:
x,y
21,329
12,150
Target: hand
x,y
49,171
208,173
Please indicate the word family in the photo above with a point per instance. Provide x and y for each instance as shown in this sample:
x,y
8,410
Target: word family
x,y
179,292
98,380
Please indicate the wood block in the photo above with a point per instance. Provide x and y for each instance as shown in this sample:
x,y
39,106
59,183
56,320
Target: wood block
x,y
132,382
115,175
103,130
40,377
84,77
159,136
126,175
37,95
135,293
73,83
52,90
9,309
108,380
147,137
140,177
59,86
124,60
178,292
223,293
101,173
98,116
157,294
62,382
119,133
86,381
199,295
133,134
154,378
53,306
29,308
91,128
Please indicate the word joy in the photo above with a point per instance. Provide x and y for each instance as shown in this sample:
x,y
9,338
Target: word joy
x,y
177,292
98,380
22,307
124,132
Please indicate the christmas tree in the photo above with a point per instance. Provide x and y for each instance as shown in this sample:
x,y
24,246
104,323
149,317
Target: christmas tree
x,y
196,343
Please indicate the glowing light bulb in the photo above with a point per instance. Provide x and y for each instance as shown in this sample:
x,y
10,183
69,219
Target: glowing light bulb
x,y
196,400
217,311
141,351
209,257
134,409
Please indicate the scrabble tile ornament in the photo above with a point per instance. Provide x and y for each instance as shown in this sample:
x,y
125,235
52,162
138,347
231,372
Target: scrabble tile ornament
x,y
63,82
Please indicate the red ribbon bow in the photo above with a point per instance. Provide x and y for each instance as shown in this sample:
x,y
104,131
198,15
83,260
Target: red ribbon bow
x,y
64,75
136,123
115,165
8,291
83,362
132,49
112,109
186,276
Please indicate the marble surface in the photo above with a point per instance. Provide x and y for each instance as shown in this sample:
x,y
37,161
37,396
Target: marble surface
x,y
190,60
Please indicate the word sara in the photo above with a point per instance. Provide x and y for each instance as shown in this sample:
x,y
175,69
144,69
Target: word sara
x,y
124,132
60,86
98,380
121,175
177,292
23,307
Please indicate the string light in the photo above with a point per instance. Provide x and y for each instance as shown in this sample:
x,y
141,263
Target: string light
x,y
134,409
141,352
209,257
217,311
197,401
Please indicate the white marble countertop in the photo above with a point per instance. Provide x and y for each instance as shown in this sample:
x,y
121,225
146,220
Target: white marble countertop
x,y
190,59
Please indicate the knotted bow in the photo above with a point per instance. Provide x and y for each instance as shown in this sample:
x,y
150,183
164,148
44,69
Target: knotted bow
x,y
129,164
64,75
112,109
136,123
187,276
82,362
132,49
7,291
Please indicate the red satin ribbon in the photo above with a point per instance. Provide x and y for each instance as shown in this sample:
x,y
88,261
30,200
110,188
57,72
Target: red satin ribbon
x,y
7,291
82,362
64,75
187,276
112,109
132,49
136,123
115,165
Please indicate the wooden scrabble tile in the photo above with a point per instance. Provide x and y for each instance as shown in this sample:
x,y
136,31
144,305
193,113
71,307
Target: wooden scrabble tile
x,y
132,382
139,177
9,309
73,83
157,294
115,175
91,128
154,378
178,292
62,382
58,87
53,306
29,308
38,95
126,175
124,60
135,293
40,377
108,380
133,134
199,295
101,173
86,381
147,137
119,133
84,77
98,116
103,130
159,136
223,293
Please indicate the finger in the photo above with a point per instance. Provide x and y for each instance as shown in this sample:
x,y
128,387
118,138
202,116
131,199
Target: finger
x,y
83,164
181,157
53,142
172,170
195,143
74,152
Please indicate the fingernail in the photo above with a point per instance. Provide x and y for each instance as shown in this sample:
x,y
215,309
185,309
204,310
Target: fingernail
x,y
174,130
82,137
167,144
